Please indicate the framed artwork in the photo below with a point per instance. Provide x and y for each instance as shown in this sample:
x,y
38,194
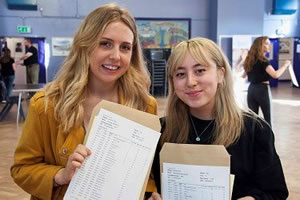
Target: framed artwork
x,y
163,32
61,46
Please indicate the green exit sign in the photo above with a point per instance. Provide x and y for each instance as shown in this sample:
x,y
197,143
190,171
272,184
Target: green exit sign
x,y
23,29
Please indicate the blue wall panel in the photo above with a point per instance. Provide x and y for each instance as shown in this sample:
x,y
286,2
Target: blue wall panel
x,y
284,7
22,4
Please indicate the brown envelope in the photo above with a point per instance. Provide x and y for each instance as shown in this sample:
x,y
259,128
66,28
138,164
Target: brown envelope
x,y
143,118
194,154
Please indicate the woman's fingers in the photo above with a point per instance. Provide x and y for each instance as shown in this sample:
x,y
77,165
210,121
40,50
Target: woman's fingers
x,y
77,157
76,164
75,161
80,153
82,150
155,196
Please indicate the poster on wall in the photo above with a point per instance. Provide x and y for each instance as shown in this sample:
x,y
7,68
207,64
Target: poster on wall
x,y
240,47
61,46
163,33
286,48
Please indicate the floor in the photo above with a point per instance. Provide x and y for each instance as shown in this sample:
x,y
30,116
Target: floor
x,y
286,125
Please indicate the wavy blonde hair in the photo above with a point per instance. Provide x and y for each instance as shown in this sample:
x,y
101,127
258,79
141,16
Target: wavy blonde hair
x,y
255,53
228,116
68,90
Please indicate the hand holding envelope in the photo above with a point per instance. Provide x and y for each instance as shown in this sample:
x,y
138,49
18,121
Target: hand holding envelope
x,y
123,142
64,175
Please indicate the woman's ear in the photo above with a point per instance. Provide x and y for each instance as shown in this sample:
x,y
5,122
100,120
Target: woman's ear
x,y
221,74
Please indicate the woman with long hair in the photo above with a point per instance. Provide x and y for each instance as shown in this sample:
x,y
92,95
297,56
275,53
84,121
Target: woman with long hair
x,y
259,72
105,63
202,109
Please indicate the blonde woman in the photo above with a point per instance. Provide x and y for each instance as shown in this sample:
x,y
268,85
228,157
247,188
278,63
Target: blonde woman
x,y
102,64
259,72
201,109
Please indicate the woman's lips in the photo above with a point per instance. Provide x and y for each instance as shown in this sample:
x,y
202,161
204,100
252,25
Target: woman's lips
x,y
194,93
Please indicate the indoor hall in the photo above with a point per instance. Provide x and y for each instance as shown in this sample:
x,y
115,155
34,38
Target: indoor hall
x,y
232,24
286,106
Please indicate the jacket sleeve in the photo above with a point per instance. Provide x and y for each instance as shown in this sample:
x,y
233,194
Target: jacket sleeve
x,y
152,106
268,177
30,171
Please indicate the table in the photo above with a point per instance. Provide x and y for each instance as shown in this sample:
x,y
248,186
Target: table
x,y
18,88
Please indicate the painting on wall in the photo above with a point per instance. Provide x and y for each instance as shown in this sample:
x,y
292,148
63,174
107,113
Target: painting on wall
x,y
61,46
163,33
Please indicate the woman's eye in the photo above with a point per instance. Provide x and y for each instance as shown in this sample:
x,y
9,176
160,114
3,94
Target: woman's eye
x,y
126,47
179,74
200,71
106,44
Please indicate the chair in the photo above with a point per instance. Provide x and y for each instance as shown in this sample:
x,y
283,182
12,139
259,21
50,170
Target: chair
x,y
9,104
159,76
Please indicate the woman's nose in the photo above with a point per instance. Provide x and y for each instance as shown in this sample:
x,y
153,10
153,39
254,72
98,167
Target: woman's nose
x,y
191,80
115,54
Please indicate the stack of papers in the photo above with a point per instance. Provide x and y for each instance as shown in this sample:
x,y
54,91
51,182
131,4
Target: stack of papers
x,y
121,159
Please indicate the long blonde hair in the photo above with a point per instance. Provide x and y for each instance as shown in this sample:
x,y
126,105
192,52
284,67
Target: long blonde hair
x,y
255,53
228,116
68,90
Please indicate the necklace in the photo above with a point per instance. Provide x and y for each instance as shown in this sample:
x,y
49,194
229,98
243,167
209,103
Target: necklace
x,y
198,136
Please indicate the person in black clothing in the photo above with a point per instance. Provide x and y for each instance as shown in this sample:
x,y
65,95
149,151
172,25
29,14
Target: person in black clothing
x,y
31,62
2,88
259,72
202,109
8,68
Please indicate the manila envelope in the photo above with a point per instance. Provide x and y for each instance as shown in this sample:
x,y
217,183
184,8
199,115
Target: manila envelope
x,y
194,154
143,118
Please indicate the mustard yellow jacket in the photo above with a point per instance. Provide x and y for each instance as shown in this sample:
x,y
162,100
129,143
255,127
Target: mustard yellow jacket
x,y
43,149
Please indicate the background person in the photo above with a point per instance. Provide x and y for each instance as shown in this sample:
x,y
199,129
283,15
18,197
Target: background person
x,y
202,109
31,62
102,65
8,68
259,72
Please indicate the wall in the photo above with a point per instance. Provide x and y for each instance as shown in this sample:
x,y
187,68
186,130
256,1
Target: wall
x,y
61,18
288,23
237,17
210,18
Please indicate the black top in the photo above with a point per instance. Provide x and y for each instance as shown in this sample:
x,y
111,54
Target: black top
x,y
258,73
7,68
254,161
32,59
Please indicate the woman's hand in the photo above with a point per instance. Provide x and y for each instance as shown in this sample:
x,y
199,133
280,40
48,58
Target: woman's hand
x,y
287,63
155,196
246,198
64,175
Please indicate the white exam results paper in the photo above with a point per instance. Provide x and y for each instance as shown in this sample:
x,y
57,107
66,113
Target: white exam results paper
x,y
122,151
194,171
293,76
189,182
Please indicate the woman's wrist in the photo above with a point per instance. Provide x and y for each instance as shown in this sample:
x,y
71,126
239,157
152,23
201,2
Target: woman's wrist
x,y
59,178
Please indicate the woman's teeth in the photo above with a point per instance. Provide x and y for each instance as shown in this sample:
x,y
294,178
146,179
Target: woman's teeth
x,y
110,67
